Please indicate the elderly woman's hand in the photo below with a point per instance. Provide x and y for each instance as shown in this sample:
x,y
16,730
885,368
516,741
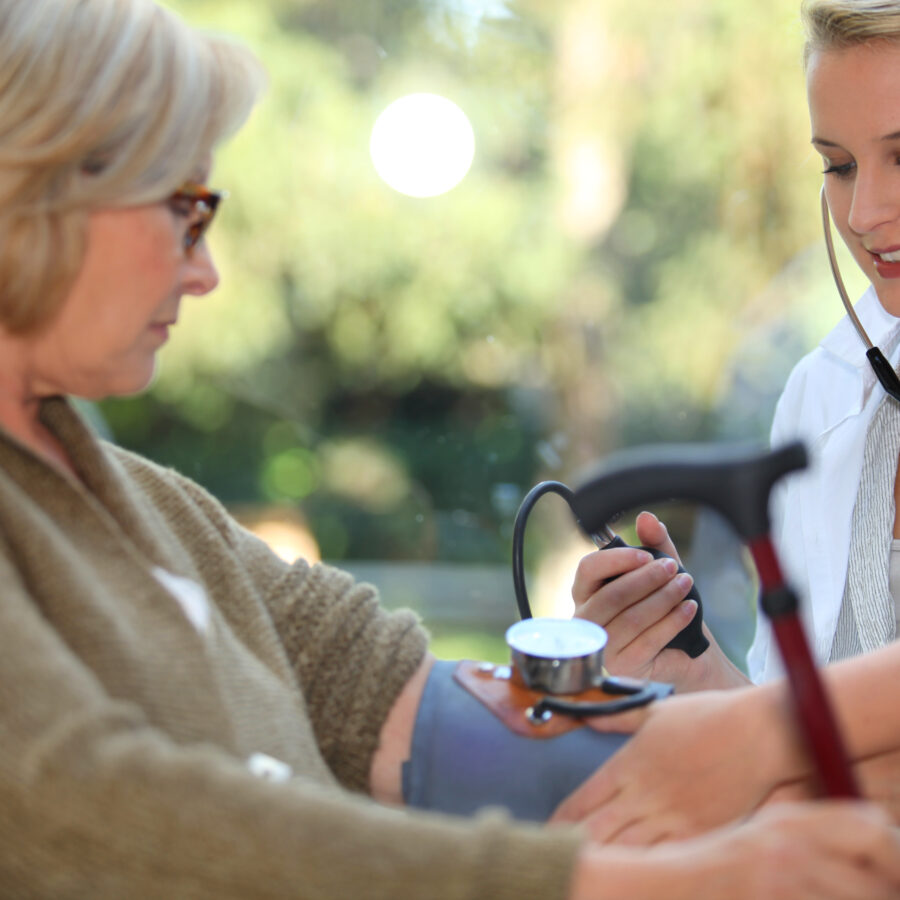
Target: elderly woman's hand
x,y
642,608
821,851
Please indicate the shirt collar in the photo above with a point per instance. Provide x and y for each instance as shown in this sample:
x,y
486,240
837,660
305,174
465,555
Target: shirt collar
x,y
883,330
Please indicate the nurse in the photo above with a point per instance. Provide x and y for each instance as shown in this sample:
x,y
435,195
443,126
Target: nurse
x,y
836,525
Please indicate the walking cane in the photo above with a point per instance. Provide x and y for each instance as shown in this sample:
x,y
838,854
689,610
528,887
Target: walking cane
x,y
737,482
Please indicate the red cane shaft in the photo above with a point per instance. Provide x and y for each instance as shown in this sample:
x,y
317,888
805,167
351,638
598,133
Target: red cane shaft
x,y
817,722
763,552
813,709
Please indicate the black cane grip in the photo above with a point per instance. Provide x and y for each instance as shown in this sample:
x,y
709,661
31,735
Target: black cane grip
x,y
734,480
691,638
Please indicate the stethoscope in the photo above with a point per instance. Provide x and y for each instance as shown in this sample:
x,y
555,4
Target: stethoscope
x,y
884,371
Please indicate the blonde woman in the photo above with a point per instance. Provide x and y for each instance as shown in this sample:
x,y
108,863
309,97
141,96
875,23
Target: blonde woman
x,y
181,713
838,526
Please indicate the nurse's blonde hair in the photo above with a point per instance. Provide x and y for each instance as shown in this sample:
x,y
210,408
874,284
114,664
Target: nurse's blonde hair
x,y
103,103
837,24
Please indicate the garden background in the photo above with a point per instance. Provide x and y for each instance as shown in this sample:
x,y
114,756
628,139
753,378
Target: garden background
x,y
634,257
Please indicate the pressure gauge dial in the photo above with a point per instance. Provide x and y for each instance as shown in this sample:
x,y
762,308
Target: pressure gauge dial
x,y
559,656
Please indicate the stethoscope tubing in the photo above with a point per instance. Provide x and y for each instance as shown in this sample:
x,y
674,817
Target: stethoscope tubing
x,y
836,272
883,370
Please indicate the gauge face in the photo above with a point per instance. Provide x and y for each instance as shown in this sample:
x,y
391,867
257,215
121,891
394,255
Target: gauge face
x,y
556,638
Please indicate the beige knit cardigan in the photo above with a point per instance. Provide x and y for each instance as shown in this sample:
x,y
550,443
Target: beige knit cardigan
x,y
125,730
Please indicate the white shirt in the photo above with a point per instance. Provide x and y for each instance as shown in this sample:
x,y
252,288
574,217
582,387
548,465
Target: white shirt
x,y
828,403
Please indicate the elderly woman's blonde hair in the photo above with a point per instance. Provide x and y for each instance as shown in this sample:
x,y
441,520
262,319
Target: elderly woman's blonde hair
x,y
836,24
102,103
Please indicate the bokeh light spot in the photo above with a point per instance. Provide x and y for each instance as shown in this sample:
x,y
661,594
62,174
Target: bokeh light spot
x,y
422,145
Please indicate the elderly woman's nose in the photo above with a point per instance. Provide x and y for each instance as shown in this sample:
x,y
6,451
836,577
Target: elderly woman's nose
x,y
202,275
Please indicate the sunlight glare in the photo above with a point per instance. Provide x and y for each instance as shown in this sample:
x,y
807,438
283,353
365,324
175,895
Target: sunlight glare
x,y
422,145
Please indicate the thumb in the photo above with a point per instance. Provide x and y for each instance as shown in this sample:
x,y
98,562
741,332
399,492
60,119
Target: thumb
x,y
652,532
791,792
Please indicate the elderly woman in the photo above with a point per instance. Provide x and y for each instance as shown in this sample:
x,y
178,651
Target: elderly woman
x,y
182,714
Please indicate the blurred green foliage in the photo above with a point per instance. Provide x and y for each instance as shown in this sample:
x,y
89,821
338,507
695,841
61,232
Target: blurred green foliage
x,y
610,271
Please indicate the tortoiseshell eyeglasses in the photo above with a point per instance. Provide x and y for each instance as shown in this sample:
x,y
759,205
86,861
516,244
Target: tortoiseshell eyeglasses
x,y
198,204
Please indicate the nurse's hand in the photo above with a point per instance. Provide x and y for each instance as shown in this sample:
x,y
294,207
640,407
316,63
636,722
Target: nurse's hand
x,y
878,778
695,762
643,608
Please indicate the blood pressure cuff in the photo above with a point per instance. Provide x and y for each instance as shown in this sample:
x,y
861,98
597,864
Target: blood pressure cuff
x,y
464,758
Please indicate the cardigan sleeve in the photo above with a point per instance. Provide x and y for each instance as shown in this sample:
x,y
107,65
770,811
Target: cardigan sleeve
x,y
350,656
94,800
